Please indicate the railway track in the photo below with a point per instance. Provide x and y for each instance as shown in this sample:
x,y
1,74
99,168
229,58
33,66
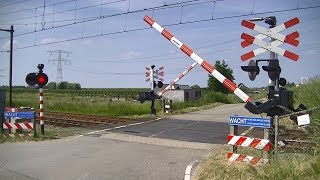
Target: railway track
x,y
71,119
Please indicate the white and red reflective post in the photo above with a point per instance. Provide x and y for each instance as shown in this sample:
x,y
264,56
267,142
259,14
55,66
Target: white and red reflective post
x,y
41,113
204,64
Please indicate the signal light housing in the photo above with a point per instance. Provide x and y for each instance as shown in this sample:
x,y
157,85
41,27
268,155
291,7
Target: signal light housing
x,y
160,84
282,81
40,79
271,20
146,96
252,69
273,69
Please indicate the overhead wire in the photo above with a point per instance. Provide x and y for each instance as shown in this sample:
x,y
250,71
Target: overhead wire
x,y
173,24
164,25
94,18
19,2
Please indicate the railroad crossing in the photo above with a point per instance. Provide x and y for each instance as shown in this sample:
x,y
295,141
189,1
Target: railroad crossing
x,y
159,149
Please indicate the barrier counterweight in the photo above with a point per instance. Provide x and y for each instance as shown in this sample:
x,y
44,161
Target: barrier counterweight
x,y
204,64
41,113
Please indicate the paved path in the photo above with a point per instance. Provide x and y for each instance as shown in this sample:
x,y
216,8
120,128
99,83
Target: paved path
x,y
155,150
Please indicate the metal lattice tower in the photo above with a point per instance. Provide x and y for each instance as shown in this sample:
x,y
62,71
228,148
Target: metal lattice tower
x,y
59,60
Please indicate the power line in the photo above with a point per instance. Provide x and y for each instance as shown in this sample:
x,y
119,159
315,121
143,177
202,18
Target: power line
x,y
59,61
64,11
173,24
14,3
29,9
168,71
161,55
94,18
97,5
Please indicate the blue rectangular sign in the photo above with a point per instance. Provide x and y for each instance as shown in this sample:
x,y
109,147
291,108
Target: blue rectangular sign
x,y
249,121
22,115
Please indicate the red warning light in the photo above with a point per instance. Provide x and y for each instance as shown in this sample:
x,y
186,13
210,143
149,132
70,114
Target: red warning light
x,y
41,79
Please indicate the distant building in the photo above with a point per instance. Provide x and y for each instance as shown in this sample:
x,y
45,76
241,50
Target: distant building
x,y
180,93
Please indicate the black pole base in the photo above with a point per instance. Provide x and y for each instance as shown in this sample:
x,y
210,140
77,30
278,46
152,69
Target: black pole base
x,y
152,109
42,129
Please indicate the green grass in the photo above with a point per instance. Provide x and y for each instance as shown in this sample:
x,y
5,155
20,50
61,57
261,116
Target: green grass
x,y
106,106
285,167
81,104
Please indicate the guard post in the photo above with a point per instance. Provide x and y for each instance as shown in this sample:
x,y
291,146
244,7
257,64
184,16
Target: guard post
x,y
167,108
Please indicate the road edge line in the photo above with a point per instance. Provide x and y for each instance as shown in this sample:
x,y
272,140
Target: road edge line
x,y
187,174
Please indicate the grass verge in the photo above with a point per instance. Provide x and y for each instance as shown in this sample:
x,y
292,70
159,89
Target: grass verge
x,y
282,166
295,166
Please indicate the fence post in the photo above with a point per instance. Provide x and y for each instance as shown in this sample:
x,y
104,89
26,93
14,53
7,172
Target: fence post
x,y
233,131
34,125
164,105
276,126
266,135
170,102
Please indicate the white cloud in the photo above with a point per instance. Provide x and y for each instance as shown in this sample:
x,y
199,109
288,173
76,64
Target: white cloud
x,y
131,55
49,40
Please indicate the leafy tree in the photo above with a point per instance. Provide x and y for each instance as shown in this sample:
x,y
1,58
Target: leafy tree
x,y
75,86
63,85
51,85
214,84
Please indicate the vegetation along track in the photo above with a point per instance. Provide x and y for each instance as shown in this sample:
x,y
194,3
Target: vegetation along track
x,y
70,119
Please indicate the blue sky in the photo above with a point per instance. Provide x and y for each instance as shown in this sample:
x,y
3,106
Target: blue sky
x,y
119,60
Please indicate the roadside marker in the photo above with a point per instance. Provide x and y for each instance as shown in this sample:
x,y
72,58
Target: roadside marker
x,y
233,157
261,144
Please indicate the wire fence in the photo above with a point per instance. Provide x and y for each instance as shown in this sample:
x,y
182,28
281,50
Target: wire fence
x,y
292,138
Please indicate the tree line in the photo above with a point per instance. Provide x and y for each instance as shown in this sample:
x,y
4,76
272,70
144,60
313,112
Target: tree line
x,y
63,85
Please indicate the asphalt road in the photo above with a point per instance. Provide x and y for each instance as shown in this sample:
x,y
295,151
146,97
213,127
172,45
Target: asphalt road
x,y
156,150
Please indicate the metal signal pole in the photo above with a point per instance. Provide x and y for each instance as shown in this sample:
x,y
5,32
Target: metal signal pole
x,y
152,109
273,85
10,68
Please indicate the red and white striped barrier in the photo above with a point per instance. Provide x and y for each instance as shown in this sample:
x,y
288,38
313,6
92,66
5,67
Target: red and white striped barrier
x,y
261,144
14,126
7,135
233,157
28,126
11,109
178,78
204,64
